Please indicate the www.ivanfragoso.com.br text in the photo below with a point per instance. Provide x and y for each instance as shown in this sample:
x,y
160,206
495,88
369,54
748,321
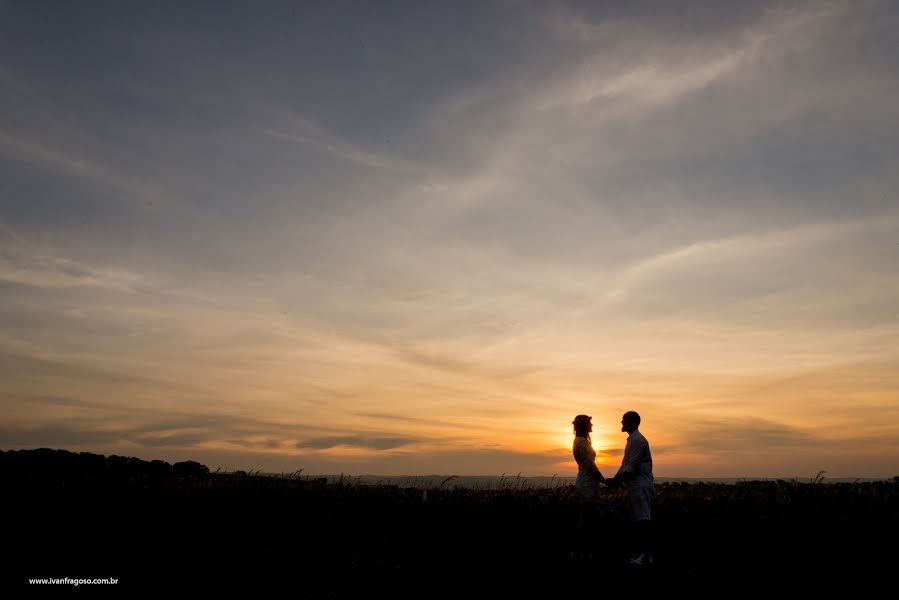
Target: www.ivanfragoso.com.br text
x,y
70,581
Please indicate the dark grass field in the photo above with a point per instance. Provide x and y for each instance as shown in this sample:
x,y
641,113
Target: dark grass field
x,y
177,530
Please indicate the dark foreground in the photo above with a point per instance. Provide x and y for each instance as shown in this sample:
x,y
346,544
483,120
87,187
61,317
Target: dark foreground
x,y
182,531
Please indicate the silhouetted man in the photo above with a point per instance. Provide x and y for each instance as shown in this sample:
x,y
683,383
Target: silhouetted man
x,y
636,476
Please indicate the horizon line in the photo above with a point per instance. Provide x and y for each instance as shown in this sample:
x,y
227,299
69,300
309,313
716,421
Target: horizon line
x,y
505,476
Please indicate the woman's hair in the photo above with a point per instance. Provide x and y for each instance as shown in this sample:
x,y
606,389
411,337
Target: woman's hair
x,y
582,426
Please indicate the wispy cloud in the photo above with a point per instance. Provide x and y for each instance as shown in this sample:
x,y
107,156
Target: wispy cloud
x,y
302,131
21,264
735,435
661,76
748,246
78,165
382,443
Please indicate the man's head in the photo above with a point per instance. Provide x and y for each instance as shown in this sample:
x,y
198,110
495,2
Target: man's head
x,y
630,421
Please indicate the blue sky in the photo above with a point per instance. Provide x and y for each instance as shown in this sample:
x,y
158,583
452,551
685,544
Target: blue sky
x,y
407,238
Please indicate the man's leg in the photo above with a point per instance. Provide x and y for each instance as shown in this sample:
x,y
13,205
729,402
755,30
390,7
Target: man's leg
x,y
640,501
644,537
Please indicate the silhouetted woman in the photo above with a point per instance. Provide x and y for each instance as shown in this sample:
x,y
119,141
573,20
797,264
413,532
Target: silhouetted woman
x,y
587,485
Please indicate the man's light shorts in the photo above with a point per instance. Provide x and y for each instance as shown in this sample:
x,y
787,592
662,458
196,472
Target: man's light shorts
x,y
640,503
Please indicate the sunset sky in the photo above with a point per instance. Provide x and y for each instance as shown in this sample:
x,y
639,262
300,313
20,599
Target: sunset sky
x,y
413,238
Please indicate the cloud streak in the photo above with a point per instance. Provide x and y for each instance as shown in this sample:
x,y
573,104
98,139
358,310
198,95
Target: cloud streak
x,y
73,164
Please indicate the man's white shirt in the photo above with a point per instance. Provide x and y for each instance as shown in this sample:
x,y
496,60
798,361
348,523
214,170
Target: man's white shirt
x,y
638,461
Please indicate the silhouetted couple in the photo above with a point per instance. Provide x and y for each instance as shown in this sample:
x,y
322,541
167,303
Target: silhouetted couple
x,y
635,475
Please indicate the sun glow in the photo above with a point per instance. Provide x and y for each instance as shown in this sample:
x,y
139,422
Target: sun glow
x,y
564,441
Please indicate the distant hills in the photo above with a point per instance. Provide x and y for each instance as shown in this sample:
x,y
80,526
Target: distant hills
x,y
45,462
